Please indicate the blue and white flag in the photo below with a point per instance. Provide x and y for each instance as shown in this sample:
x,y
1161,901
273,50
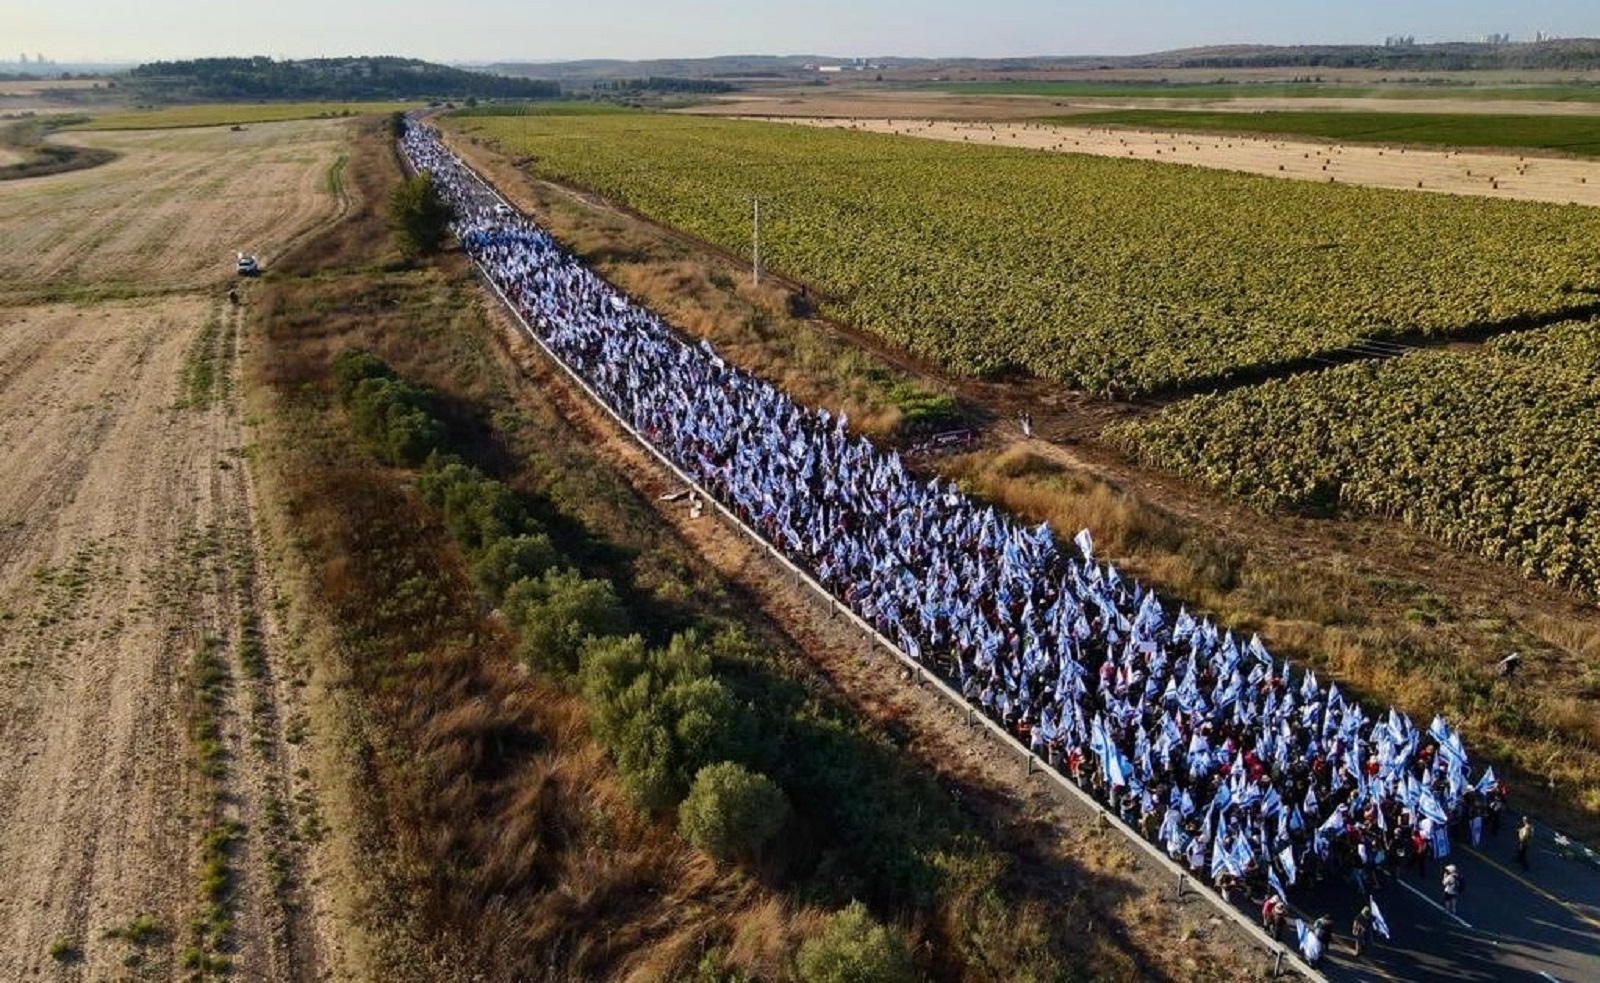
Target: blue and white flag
x,y
1260,651
1428,805
1310,945
1487,782
1378,924
1085,543
1286,859
1275,884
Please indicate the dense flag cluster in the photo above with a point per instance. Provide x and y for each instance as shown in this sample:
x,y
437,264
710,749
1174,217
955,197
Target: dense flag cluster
x,y
1238,764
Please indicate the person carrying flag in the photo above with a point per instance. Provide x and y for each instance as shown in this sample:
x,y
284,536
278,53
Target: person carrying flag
x,y
1360,928
1379,925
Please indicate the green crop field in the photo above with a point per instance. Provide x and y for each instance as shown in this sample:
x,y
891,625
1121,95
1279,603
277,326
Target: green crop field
x,y
227,114
1496,451
1579,135
1095,272
1230,90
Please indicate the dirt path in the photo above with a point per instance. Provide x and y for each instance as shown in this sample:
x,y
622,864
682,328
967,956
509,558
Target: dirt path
x,y
1486,175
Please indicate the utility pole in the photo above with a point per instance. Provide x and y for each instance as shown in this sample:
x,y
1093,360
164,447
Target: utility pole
x,y
755,253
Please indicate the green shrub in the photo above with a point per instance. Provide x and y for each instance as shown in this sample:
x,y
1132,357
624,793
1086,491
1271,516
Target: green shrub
x,y
509,559
662,715
556,612
419,216
853,948
395,420
731,813
478,510
354,366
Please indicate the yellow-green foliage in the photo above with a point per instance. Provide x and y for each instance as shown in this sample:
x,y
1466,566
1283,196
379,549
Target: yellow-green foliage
x,y
1496,451
1096,272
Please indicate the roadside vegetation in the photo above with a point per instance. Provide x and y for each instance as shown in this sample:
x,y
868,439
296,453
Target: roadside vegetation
x,y
547,696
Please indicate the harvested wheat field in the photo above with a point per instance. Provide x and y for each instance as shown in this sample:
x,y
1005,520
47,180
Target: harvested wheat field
x,y
144,699
169,213
1494,175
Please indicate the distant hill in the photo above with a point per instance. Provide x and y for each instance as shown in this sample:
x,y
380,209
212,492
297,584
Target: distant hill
x,y
354,78
721,67
1571,54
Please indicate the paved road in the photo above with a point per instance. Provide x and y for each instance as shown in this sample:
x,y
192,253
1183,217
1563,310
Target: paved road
x,y
1539,925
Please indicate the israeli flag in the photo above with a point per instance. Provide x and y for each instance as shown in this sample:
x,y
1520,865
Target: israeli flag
x,y
1276,885
1085,543
1487,782
1378,924
1286,858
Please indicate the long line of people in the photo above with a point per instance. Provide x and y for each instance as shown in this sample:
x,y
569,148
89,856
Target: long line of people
x,y
1248,770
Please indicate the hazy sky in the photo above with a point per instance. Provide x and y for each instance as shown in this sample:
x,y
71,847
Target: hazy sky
x,y
540,30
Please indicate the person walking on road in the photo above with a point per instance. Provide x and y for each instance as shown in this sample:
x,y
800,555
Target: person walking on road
x,y
1359,929
1524,840
1452,887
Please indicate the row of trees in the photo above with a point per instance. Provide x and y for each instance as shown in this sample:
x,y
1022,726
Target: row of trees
x,y
370,78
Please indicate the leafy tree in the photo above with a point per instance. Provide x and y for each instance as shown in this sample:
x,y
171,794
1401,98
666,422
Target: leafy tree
x,y
509,559
662,714
392,416
731,812
478,510
419,216
354,366
556,613
853,948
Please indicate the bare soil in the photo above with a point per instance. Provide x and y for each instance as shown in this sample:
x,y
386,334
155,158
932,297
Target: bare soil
x,y
866,101
1489,175
127,549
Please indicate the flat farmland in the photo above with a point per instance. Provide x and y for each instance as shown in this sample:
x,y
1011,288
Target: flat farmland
x,y
1507,175
1121,275
169,213
144,699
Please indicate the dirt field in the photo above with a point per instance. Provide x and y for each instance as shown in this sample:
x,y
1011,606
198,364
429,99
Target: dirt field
x,y
1448,172
869,102
169,214
144,701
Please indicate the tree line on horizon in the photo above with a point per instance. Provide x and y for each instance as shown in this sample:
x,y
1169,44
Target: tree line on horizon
x,y
317,79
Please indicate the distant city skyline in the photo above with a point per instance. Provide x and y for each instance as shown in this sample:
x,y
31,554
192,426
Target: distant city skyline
x,y
76,31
